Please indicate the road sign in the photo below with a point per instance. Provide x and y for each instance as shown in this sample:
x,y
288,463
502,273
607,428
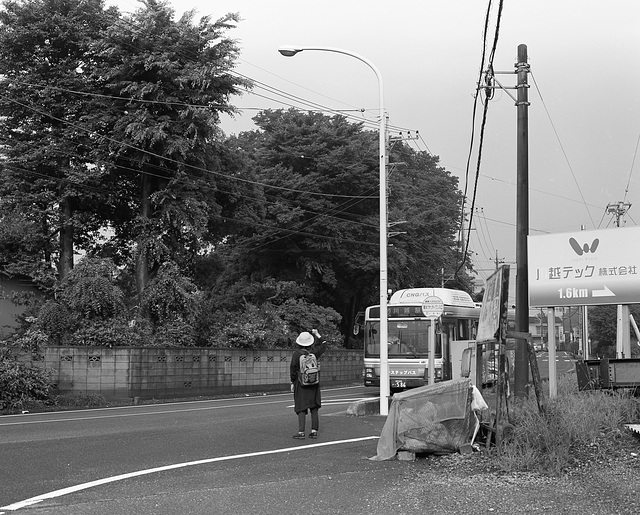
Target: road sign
x,y
432,307
585,268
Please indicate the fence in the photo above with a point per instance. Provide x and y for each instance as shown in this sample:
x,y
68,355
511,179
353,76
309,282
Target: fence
x,y
155,372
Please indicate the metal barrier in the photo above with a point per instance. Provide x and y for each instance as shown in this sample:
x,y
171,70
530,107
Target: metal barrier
x,y
595,374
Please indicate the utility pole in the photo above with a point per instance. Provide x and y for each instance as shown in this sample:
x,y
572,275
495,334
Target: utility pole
x,y
521,365
618,209
499,261
623,342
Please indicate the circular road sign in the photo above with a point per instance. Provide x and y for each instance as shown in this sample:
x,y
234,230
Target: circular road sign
x,y
432,307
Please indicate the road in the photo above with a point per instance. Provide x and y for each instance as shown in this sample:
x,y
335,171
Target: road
x,y
565,362
235,455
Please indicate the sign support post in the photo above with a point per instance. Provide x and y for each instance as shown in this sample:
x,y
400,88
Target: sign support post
x,y
432,307
551,340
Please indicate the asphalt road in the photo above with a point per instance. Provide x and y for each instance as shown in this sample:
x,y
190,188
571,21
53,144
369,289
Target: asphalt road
x,y
565,362
233,455
216,456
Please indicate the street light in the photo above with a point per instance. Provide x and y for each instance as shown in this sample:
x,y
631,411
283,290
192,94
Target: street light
x,y
290,51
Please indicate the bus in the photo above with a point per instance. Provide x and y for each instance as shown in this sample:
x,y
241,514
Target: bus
x,y
408,336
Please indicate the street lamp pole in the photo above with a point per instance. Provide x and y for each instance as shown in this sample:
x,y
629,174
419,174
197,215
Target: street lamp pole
x,y
290,51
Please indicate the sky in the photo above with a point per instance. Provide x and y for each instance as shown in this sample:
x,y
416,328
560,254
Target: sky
x,y
584,114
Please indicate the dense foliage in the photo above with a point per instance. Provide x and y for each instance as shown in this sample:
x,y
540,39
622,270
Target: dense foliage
x,y
20,383
112,151
603,330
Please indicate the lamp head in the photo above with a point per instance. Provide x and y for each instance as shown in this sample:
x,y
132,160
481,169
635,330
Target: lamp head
x,y
289,51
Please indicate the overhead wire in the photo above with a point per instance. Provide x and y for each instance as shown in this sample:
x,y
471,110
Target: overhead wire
x,y
633,161
313,105
575,180
485,236
147,172
482,128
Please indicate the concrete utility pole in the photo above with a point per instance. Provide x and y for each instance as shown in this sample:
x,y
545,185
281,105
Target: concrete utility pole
x,y
623,341
618,209
499,261
521,365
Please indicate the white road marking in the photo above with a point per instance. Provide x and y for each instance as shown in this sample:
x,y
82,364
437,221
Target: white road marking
x,y
84,486
22,419
160,412
336,402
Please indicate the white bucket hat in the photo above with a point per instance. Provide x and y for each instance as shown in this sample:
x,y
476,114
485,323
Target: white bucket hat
x,y
305,339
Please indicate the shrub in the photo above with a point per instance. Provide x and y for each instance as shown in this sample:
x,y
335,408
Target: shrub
x,y
169,295
89,290
106,333
269,326
33,341
79,400
55,320
174,333
20,383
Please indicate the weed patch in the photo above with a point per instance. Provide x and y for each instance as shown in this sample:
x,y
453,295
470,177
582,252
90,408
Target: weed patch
x,y
576,427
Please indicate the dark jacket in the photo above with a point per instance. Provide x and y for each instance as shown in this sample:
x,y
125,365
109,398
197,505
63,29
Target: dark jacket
x,y
305,397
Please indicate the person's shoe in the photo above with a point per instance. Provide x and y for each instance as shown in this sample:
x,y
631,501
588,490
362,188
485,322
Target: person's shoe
x,y
313,434
299,435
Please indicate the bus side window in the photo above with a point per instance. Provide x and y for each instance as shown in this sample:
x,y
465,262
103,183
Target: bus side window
x,y
462,330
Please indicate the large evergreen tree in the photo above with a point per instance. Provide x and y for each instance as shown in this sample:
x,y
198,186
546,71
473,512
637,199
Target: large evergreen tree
x,y
46,50
165,83
321,213
424,206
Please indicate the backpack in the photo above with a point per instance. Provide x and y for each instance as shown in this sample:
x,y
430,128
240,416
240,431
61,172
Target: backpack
x,y
308,369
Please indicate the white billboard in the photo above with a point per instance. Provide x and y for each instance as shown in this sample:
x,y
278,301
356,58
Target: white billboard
x,y
585,268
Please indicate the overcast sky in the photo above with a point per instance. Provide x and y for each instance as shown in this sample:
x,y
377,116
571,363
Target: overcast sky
x,y
584,118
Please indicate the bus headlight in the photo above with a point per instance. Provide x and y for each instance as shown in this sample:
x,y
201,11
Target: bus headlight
x,y
369,372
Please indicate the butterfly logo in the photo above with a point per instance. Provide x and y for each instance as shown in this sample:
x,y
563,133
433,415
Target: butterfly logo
x,y
585,249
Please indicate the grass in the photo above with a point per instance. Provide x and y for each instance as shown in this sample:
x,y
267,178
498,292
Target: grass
x,y
67,401
576,428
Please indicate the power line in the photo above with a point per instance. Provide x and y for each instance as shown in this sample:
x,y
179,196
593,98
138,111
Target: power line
x,y
482,125
562,148
223,107
635,153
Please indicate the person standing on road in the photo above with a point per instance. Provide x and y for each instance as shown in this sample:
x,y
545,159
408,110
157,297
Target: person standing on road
x,y
306,398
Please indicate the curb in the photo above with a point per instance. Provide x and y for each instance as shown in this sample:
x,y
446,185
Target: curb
x,y
363,408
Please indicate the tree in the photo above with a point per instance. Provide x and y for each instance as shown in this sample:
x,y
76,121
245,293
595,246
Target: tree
x,y
165,83
424,202
87,299
45,49
603,328
320,225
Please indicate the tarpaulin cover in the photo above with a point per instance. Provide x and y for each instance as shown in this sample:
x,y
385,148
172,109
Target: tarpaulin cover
x,y
436,418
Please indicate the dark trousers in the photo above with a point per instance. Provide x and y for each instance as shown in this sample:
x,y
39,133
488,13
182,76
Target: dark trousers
x,y
302,419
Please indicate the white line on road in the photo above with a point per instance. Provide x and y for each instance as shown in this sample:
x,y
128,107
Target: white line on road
x,y
24,418
141,414
84,486
337,402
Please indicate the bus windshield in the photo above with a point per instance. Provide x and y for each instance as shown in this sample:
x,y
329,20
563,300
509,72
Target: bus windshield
x,y
407,338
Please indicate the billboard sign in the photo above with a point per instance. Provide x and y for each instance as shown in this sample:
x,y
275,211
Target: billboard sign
x,y
585,268
493,313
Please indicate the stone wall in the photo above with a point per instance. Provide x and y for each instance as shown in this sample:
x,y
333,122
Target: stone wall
x,y
154,372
